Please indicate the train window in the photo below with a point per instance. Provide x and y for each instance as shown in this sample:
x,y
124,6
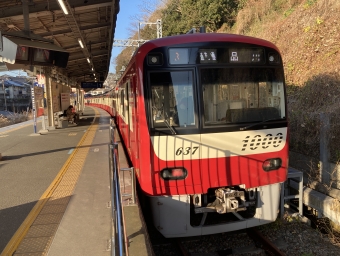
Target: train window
x,y
240,95
172,99
122,108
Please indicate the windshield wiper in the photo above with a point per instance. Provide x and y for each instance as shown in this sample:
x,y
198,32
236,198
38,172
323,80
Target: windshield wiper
x,y
167,122
168,125
262,122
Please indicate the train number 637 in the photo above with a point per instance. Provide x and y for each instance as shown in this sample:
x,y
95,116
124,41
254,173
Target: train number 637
x,y
186,151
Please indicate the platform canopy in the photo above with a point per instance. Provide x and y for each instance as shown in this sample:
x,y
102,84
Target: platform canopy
x,y
82,31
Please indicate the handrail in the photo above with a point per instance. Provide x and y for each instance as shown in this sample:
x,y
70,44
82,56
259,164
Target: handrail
x,y
117,229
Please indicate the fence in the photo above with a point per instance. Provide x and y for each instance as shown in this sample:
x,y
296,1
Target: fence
x,y
118,239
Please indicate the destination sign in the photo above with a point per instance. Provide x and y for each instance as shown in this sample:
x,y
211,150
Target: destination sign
x,y
91,84
246,55
178,56
208,55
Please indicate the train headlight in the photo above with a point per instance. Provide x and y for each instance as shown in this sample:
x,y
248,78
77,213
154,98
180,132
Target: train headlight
x,y
155,59
273,58
176,173
272,164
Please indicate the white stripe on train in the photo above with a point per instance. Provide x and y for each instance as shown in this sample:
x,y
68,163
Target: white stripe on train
x,y
203,146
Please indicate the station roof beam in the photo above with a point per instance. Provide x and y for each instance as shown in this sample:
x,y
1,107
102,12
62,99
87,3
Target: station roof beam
x,y
90,22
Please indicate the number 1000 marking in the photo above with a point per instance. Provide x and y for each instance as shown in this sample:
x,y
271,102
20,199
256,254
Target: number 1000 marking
x,y
186,151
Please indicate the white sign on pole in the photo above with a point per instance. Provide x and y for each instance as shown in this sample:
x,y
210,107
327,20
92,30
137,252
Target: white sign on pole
x,y
65,100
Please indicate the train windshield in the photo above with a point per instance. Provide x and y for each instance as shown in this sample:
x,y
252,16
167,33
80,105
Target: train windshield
x,y
172,99
242,95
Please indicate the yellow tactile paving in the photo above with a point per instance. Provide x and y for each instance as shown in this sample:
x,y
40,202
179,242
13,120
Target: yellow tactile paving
x,y
28,254
53,208
58,201
37,231
33,245
44,219
42,230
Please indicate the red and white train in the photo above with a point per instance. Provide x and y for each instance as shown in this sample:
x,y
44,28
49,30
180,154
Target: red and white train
x,y
204,120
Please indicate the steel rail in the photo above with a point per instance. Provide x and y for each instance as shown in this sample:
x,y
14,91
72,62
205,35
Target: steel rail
x,y
267,245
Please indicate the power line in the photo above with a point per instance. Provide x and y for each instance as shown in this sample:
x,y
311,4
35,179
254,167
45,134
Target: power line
x,y
137,43
127,42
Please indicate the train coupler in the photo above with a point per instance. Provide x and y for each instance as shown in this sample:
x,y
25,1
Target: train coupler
x,y
229,200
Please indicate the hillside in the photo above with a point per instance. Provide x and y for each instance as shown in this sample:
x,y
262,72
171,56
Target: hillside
x,y
307,32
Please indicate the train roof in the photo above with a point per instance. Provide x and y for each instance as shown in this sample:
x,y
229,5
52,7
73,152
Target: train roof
x,y
196,38
206,37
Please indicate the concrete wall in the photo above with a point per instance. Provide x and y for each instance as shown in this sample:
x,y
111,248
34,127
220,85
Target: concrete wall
x,y
311,169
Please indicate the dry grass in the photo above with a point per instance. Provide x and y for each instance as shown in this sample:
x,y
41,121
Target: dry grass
x,y
307,32
14,119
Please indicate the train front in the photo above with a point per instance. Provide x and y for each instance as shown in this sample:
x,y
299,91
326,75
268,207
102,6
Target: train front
x,y
218,126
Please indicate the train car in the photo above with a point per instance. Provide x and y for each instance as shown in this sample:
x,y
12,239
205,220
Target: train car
x,y
204,120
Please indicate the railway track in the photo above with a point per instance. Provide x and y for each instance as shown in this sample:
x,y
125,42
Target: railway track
x,y
261,246
264,243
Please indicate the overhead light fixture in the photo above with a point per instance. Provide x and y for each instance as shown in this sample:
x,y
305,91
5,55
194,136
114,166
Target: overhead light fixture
x,y
94,74
88,60
63,7
92,68
80,43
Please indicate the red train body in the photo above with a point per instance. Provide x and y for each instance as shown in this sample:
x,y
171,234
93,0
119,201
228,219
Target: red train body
x,y
204,119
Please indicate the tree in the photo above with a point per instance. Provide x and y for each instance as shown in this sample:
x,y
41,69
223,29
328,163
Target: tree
x,y
179,16
216,13
123,58
149,13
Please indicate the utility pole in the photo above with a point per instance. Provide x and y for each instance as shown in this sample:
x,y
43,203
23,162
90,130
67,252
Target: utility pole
x,y
159,28
138,42
33,105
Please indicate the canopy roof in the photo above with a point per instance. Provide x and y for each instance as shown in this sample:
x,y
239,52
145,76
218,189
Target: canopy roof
x,y
46,26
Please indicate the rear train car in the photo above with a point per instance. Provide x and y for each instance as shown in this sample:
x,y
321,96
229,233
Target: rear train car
x,y
204,120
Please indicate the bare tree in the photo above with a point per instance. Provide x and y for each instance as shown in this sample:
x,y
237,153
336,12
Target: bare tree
x,y
147,8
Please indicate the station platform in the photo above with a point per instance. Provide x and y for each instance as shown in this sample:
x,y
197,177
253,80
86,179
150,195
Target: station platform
x,y
55,191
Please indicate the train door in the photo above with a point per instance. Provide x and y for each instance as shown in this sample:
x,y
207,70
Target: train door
x,y
136,119
132,119
127,117
124,120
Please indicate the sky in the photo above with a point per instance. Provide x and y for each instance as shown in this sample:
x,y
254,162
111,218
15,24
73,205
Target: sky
x,y
128,10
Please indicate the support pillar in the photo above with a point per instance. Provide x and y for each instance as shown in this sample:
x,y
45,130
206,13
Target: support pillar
x,y
78,100
49,101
